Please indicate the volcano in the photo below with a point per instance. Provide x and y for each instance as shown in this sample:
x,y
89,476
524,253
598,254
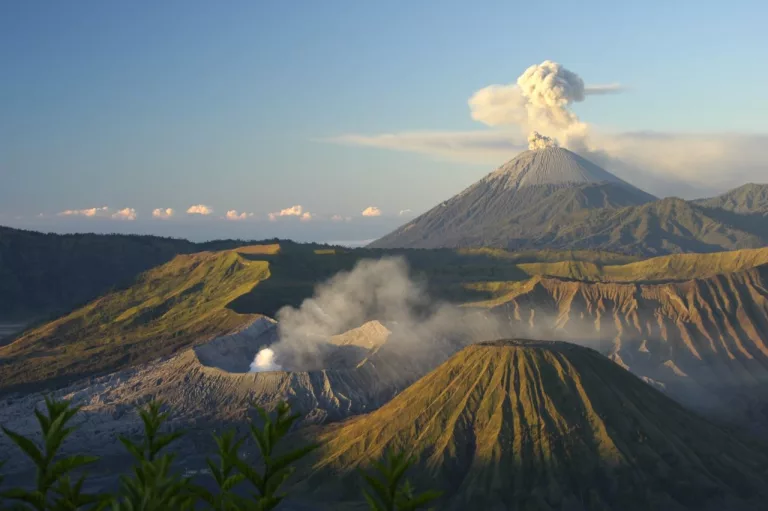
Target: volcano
x,y
523,197
521,424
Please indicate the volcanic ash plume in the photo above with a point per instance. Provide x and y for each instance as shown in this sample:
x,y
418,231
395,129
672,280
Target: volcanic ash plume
x,y
541,99
538,141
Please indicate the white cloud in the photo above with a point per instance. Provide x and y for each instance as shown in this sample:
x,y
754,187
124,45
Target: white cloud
x,y
234,215
371,211
601,89
541,100
662,163
125,214
199,209
404,212
163,213
296,210
306,216
485,147
89,212
339,218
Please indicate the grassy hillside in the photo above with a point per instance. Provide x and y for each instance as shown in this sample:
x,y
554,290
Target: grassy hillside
x,y
43,274
531,425
671,267
174,305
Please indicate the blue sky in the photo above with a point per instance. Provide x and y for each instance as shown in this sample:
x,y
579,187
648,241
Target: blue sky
x,y
168,104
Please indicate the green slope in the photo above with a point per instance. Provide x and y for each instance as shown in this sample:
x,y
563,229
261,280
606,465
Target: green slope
x,y
544,426
671,267
43,274
174,305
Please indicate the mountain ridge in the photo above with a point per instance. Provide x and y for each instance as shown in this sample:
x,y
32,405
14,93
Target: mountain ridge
x,y
552,198
545,425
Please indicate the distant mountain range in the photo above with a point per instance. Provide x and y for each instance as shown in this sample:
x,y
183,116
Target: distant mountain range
x,y
554,198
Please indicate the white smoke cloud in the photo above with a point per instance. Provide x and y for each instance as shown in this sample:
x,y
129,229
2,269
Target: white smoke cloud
x,y
235,216
199,209
538,141
125,214
371,211
296,210
163,213
373,290
88,212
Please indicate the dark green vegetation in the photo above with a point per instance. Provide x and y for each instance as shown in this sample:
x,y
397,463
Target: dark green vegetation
x,y
43,274
544,426
153,484
554,199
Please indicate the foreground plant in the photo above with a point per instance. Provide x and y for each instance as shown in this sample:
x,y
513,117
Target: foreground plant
x,y
55,488
277,468
153,486
388,491
224,473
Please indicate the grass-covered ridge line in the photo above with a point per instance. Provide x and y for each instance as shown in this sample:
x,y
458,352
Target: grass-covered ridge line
x,y
169,307
670,267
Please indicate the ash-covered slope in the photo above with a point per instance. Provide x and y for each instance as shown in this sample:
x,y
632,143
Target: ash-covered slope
x,y
521,198
210,386
536,425
551,166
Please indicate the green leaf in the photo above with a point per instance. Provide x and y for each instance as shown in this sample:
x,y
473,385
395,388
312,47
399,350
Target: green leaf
x,y
381,490
374,504
27,446
71,463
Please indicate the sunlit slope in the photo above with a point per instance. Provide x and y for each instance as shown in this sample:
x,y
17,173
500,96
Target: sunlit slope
x,y
531,425
705,339
671,267
174,305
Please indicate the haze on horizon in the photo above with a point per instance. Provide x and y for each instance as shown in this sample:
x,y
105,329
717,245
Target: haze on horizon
x,y
342,121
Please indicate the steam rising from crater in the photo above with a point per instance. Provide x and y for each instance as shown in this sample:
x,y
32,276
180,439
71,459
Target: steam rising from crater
x,y
374,289
264,361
